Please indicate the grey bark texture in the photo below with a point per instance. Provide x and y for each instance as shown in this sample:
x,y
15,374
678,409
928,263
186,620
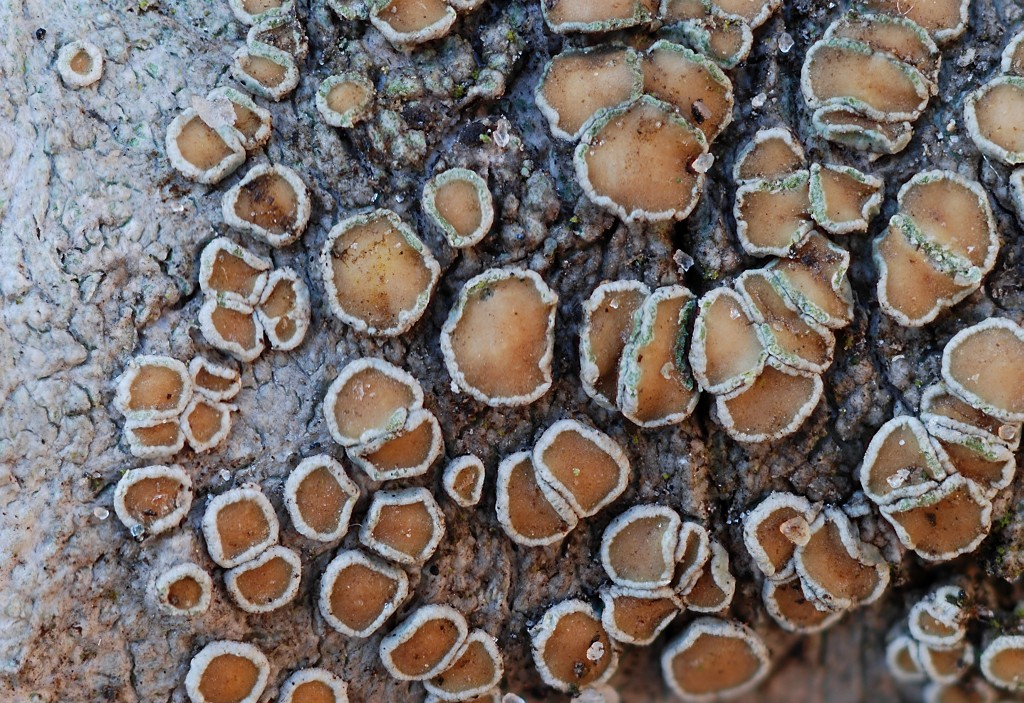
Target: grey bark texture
x,y
99,247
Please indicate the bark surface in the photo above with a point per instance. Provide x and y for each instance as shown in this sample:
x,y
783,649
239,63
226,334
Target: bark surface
x,y
99,250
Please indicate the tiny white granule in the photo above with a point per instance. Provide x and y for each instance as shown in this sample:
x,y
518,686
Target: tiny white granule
x,y
898,478
704,162
500,134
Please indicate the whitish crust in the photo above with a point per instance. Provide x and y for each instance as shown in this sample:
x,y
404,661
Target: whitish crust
x,y
262,134
817,255
859,132
401,39
212,533
408,628
915,79
1006,65
480,282
214,649
940,33
1007,434
227,133
864,554
291,488
201,364
716,628
667,546
361,455
406,318
901,226
266,31
1017,192
609,596
408,496
603,442
163,583
857,25
973,691
350,9
208,259
592,138
541,633
243,16
490,645
340,563
557,503
1000,644
182,505
486,202
796,419
768,326
717,569
716,81
796,181
755,19
552,114
219,341
933,662
223,410
771,605
942,491
688,573
893,653
752,521
141,449
298,315
991,452
492,696
957,388
644,319
590,374
906,485
451,475
937,606
761,136
354,115
869,206
965,272
640,15
698,33
122,397
294,230
289,79
397,420
336,685
71,77
700,344
291,590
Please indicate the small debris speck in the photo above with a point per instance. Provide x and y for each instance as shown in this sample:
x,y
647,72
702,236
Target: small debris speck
x,y
703,163
501,136
759,100
785,42
41,33
100,513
